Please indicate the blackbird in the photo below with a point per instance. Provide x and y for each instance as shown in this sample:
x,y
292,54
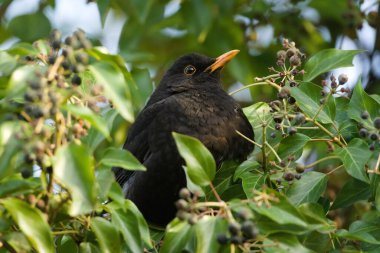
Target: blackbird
x,y
189,100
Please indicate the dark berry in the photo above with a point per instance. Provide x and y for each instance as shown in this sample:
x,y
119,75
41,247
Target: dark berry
x,y
288,176
181,204
249,229
283,163
322,101
30,97
35,85
300,168
273,135
343,78
295,60
364,115
372,147
323,93
82,58
182,215
51,59
76,80
291,100
376,123
65,65
281,55
234,228
291,158
277,118
236,239
222,239
244,214
298,176
184,193
292,130
333,84
277,126
26,173
363,132
374,136
299,119
332,78
290,52
68,41
56,44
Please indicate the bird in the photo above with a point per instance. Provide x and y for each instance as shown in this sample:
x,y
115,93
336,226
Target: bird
x,y
189,100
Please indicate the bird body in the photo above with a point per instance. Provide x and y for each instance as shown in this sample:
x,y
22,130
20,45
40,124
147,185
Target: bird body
x,y
187,101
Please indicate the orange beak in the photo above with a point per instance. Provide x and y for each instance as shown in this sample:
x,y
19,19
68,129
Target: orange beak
x,y
222,60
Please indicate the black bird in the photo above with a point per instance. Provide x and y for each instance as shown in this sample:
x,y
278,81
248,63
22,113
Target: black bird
x,y
189,100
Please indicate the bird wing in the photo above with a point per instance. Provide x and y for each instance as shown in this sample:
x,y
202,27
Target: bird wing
x,y
138,137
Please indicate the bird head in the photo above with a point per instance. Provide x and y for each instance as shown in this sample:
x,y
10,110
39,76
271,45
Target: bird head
x,y
195,70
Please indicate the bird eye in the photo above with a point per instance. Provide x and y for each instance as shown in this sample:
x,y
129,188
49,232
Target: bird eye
x,y
189,70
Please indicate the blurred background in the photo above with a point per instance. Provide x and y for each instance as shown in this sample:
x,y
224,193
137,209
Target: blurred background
x,y
153,33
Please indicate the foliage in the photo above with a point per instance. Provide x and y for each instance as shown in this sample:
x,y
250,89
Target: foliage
x,y
65,106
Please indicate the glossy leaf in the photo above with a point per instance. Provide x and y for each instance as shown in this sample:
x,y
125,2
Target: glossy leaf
x,y
85,113
308,189
7,63
200,163
74,168
30,27
106,234
32,224
360,102
177,235
327,60
292,145
121,158
282,243
354,158
8,149
115,87
308,96
129,221
206,232
354,190
86,247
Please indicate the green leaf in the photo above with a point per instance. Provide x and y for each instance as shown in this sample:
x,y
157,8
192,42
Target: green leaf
x,y
360,102
177,235
86,247
9,147
30,27
115,87
200,163
7,63
308,96
74,168
252,181
121,158
130,222
327,60
106,234
85,113
12,186
279,207
67,244
284,243
32,224
206,232
292,145
308,189
354,158
353,191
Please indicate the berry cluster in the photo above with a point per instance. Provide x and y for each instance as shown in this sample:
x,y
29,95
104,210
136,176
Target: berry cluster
x,y
186,206
240,232
55,83
371,130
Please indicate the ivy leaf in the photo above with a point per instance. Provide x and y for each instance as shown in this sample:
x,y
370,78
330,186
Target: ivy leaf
x,y
107,235
121,158
327,60
177,235
292,145
31,223
308,189
354,158
74,168
200,163
353,191
307,97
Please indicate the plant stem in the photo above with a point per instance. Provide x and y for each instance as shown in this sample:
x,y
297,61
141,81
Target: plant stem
x,y
337,168
263,149
248,139
215,192
321,160
376,170
273,151
247,87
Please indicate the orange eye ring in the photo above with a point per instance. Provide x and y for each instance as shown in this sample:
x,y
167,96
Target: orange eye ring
x,y
189,70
